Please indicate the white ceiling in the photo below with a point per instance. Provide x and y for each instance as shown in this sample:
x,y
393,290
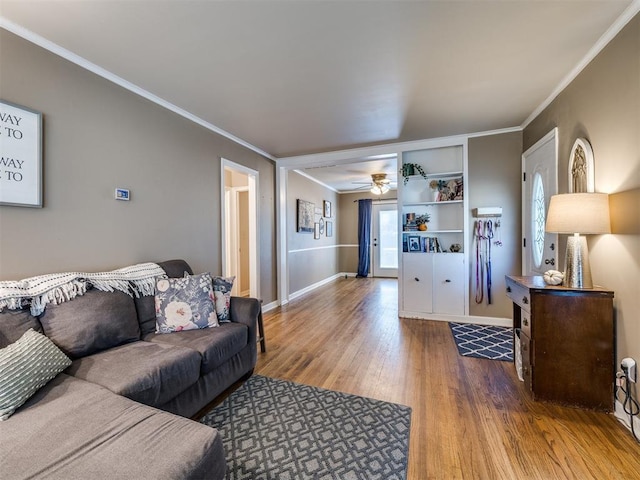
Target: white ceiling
x,y
353,177
299,77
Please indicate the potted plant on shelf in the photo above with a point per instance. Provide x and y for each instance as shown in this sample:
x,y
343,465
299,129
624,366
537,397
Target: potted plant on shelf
x,y
410,169
422,220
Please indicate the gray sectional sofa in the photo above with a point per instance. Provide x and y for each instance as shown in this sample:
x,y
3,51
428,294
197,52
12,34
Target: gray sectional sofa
x,y
118,410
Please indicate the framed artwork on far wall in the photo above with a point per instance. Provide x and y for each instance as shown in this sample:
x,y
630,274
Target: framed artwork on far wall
x,y
329,228
305,216
327,208
316,231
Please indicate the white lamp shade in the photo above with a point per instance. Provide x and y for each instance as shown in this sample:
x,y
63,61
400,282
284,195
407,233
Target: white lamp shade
x,y
586,213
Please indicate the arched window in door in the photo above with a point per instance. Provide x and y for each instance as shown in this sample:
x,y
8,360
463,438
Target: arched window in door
x,y
539,216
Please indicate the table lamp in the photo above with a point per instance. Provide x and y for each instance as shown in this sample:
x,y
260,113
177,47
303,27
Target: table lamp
x,y
578,213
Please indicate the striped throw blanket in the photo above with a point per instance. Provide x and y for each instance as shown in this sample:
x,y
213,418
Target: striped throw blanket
x,y
56,288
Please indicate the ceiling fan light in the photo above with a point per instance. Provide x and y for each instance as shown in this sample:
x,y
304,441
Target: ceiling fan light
x,y
379,189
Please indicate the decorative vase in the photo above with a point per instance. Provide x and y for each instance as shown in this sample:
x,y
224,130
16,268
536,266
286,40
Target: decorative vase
x,y
422,227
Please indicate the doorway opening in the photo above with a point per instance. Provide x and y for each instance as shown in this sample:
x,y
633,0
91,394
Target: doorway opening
x,y
240,244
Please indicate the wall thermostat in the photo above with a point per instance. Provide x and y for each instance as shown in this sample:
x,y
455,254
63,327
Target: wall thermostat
x,y
122,194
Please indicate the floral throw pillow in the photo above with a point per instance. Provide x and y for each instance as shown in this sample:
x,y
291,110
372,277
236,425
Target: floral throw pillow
x,y
185,303
222,293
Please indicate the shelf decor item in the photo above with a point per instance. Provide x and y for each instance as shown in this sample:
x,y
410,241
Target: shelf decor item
x,y
414,243
422,220
411,169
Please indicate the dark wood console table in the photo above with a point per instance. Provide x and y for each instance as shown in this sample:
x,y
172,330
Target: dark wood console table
x,y
566,338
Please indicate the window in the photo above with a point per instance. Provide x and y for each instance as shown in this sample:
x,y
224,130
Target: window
x,y
538,215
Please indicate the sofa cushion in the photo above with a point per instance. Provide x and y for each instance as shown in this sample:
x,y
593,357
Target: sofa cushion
x,y
215,345
222,294
72,429
13,324
93,322
185,303
25,367
150,373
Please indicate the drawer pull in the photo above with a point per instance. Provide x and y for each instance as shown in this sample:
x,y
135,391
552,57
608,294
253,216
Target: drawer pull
x,y
508,289
447,281
416,279
526,322
525,300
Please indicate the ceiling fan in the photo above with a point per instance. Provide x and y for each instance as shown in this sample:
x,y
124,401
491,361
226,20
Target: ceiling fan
x,y
379,183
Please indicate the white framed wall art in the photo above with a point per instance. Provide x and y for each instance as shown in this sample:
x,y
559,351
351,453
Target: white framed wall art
x,y
20,156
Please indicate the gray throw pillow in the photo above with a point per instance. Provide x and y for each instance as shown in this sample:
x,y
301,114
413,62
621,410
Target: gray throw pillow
x,y
185,303
25,367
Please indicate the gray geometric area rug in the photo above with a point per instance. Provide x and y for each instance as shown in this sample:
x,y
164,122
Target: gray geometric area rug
x,y
483,341
280,430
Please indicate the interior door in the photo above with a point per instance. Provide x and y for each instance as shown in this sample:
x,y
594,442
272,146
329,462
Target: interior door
x,y
539,183
384,230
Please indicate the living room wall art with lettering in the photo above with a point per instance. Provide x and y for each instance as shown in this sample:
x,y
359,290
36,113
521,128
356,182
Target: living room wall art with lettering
x,y
20,156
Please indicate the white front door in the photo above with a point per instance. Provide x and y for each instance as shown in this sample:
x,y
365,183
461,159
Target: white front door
x,y
384,236
539,183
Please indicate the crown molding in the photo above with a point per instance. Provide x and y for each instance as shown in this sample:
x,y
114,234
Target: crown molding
x,y
309,177
56,49
631,11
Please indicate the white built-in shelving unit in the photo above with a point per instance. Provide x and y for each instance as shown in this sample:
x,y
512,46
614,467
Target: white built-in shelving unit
x,y
433,281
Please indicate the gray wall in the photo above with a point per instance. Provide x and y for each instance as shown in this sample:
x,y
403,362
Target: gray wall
x,y
310,261
494,181
603,105
98,136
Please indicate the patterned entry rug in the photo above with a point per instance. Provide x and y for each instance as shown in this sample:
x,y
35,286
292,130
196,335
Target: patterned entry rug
x,y
279,430
483,341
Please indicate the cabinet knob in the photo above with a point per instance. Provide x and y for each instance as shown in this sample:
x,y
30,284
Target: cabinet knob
x,y
526,322
508,289
525,300
416,279
447,281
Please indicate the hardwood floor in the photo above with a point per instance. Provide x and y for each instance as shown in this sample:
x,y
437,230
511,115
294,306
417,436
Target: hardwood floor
x,y
470,417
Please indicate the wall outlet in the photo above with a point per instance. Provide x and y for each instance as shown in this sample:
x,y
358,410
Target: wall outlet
x,y
629,367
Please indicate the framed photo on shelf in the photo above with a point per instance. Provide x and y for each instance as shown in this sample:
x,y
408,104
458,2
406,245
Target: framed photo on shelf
x,y
327,208
414,243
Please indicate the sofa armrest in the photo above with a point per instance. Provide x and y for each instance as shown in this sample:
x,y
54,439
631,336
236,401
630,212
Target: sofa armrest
x,y
246,310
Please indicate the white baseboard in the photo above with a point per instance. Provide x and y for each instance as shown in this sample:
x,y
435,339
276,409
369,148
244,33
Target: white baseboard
x,y
270,306
493,321
313,286
624,418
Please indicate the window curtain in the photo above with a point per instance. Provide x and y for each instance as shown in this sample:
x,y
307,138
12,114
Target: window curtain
x,y
364,236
